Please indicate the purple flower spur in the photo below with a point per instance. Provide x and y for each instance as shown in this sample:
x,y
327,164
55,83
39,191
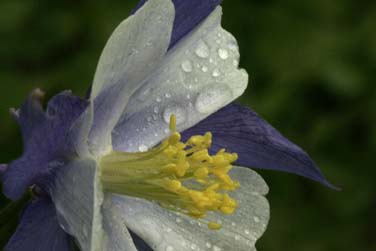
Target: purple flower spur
x,y
158,157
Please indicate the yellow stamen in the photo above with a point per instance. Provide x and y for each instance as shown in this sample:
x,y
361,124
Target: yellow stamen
x,y
180,176
214,225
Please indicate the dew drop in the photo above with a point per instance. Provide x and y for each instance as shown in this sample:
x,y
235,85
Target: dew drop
x,y
135,51
169,248
223,53
187,66
216,73
158,100
168,95
246,231
142,148
212,98
256,219
168,230
204,69
208,244
178,111
232,45
202,50
156,109
215,248
193,246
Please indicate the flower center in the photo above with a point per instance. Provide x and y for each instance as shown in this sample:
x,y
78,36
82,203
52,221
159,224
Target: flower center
x,y
180,176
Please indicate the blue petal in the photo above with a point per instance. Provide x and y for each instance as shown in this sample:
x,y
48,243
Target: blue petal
x,y
241,130
39,230
188,14
44,136
140,244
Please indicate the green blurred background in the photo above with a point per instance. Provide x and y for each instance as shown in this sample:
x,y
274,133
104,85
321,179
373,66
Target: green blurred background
x,y
312,65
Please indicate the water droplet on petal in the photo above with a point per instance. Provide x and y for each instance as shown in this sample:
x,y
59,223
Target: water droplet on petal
x,y
187,66
142,148
208,244
168,95
202,50
204,69
169,248
232,45
212,98
215,248
158,100
168,230
223,53
178,111
216,73
256,219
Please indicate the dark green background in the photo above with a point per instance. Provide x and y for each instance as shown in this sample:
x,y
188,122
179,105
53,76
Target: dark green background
x,y
312,65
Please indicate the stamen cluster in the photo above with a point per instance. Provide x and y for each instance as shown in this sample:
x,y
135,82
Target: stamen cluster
x,y
180,176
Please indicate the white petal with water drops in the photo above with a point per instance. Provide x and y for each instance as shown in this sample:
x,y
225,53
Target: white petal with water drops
x,y
164,230
127,60
196,78
117,235
136,46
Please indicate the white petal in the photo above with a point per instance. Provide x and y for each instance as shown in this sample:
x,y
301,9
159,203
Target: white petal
x,y
117,235
77,195
136,46
133,51
164,230
197,77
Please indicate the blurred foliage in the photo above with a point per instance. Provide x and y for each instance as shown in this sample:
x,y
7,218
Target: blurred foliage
x,y
312,65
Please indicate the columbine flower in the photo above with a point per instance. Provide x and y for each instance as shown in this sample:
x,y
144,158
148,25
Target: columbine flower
x,y
115,168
